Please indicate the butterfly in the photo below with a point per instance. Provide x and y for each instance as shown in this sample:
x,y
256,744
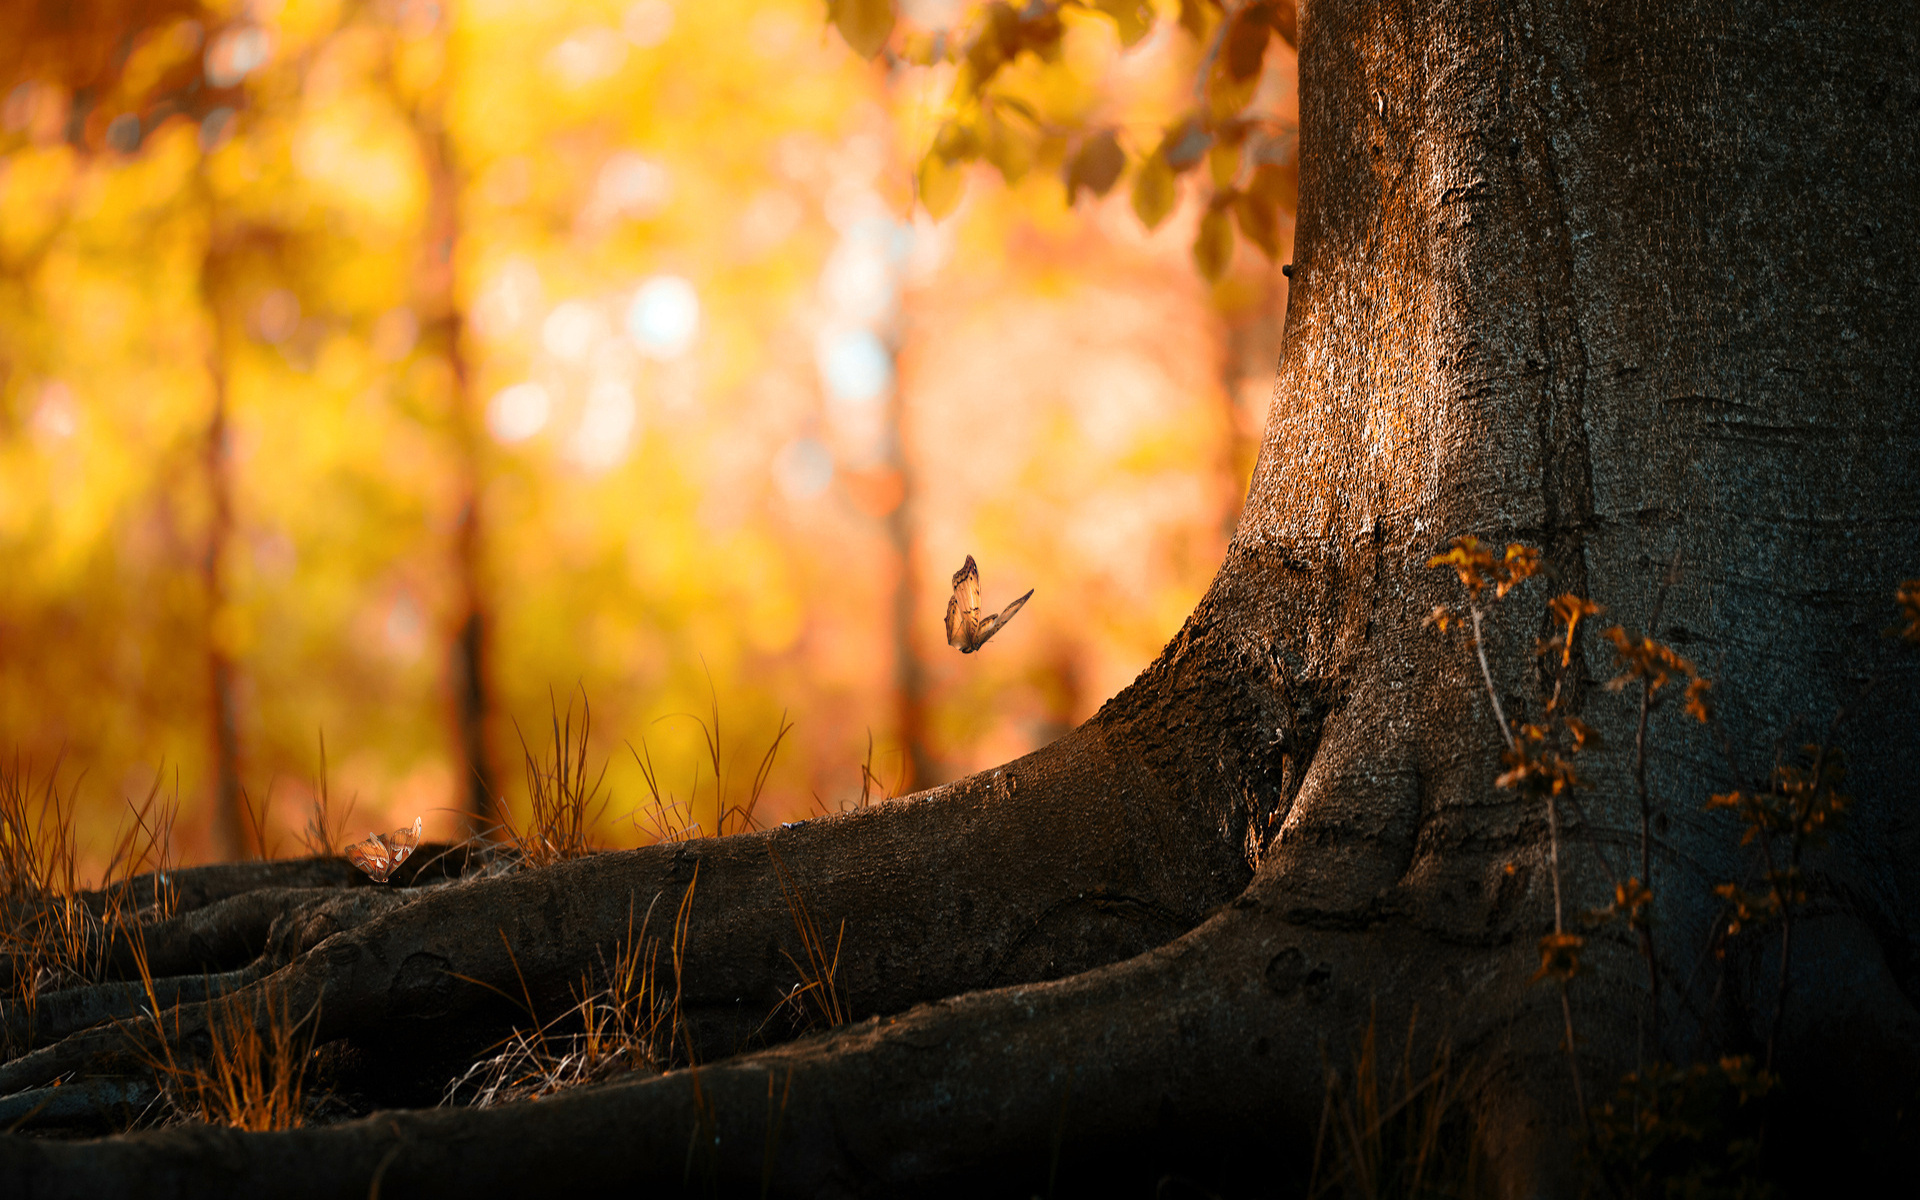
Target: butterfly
x,y
381,856
965,628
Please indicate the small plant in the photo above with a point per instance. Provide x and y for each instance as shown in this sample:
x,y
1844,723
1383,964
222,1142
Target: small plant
x,y
1394,1129
869,782
815,999
564,805
1691,1131
668,818
53,937
323,833
1674,1130
252,1073
622,1020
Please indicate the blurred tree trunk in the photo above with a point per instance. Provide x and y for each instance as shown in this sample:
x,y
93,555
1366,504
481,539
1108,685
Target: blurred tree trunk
x,y
444,331
917,762
230,818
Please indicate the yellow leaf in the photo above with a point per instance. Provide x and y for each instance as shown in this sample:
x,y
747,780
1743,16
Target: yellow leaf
x,y
864,23
1153,190
941,184
1223,163
1213,248
1133,17
1007,147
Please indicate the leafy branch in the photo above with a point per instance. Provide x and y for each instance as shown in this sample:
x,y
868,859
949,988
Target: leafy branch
x,y
1251,177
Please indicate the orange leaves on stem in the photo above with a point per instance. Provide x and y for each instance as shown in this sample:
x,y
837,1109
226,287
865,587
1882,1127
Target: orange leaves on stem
x,y
1571,610
1559,957
1802,803
1536,766
1907,596
1656,664
1632,899
1478,569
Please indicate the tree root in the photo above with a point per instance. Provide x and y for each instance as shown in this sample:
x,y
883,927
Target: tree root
x,y
1216,1041
1088,858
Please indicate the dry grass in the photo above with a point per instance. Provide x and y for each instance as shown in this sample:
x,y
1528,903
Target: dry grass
x,y
623,1019
870,781
815,999
563,804
666,817
52,937
323,833
253,1072
1390,1129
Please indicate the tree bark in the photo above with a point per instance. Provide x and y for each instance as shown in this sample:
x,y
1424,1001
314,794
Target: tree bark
x,y
1633,283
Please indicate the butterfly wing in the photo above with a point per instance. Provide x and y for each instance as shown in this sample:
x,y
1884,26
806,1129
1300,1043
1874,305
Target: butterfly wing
x,y
401,843
371,856
995,624
963,610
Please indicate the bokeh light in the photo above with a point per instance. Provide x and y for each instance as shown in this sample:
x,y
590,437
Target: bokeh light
x,y
615,323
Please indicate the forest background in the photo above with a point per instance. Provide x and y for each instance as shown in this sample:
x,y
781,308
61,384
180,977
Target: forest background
x,y
396,372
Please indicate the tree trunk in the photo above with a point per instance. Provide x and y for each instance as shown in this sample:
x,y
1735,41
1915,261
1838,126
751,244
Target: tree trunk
x,y
1631,283
231,821
444,332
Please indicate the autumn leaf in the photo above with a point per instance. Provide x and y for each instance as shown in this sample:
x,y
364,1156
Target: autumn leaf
x,y
1585,736
1133,17
1698,705
956,142
1559,956
1006,146
1907,596
865,24
1247,43
1571,610
1096,166
1213,248
1469,560
1153,190
1185,144
1258,224
940,185
1196,17
1520,564
1223,160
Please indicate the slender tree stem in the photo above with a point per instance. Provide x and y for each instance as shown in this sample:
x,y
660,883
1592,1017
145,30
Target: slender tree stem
x,y
1486,673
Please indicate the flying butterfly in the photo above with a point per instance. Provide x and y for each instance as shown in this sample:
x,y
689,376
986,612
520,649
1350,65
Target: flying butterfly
x,y
965,627
381,856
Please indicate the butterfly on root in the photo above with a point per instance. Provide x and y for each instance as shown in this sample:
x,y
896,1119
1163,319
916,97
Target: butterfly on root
x,y
381,856
966,628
